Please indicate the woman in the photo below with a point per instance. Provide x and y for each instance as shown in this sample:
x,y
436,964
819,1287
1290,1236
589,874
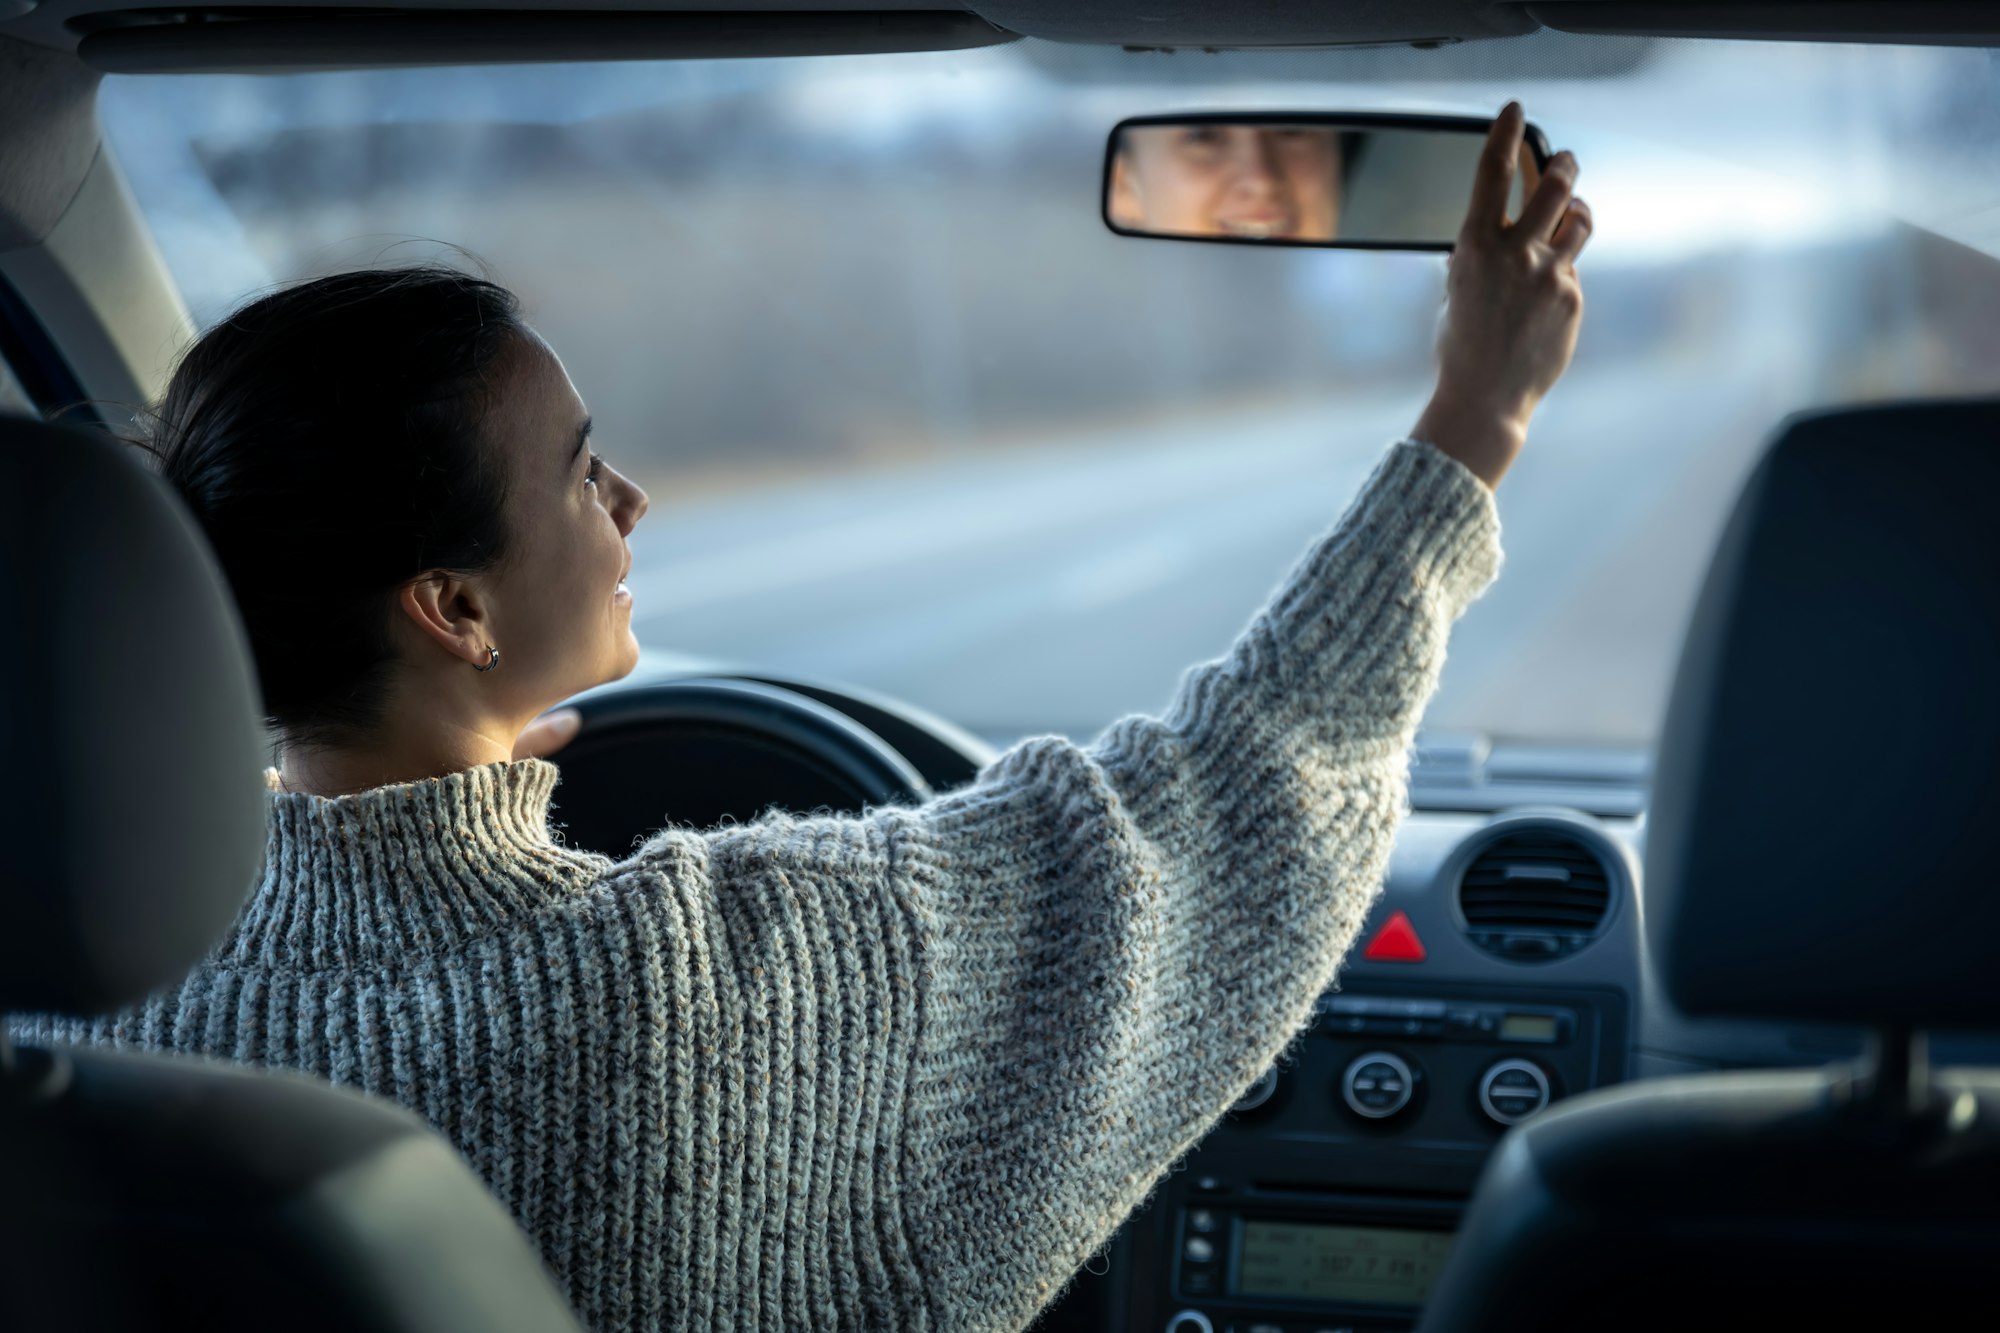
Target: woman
x,y
903,1071
1254,182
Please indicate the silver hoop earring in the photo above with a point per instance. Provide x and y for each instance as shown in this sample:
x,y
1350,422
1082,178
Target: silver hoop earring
x,y
492,659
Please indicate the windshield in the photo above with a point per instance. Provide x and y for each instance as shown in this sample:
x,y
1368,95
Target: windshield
x,y
912,419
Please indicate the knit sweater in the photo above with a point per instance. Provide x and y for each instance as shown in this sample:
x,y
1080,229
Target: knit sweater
x,y
905,1071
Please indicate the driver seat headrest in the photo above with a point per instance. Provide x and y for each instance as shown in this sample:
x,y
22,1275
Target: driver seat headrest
x,y
1821,845
132,829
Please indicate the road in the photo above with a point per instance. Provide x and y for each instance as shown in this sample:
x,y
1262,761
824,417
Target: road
x,y
1055,586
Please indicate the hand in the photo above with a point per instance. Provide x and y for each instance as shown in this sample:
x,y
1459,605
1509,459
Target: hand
x,y
547,734
1512,306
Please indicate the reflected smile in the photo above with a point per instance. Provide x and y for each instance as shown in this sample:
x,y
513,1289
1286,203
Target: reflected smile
x,y
1261,228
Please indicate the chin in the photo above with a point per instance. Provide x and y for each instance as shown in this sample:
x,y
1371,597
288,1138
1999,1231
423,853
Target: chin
x,y
628,658
618,663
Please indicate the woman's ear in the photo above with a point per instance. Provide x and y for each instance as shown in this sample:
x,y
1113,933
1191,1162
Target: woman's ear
x,y
449,612
1124,206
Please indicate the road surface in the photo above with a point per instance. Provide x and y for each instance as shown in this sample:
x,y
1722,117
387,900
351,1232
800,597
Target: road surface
x,y
1055,586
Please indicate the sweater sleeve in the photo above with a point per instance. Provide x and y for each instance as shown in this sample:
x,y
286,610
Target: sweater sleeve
x,y
1030,996
1116,941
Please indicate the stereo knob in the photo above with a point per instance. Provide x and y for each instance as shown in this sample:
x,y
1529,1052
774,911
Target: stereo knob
x,y
1378,1085
1258,1093
1190,1321
1513,1090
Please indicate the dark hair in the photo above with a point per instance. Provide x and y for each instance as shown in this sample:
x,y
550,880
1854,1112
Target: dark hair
x,y
1353,145
327,438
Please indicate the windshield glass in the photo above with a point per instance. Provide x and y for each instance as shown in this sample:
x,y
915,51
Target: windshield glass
x,y
912,419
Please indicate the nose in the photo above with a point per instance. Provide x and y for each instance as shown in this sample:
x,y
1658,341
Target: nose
x,y
1253,164
632,505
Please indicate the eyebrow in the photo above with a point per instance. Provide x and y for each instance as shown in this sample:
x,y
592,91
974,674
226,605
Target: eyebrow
x,y
582,434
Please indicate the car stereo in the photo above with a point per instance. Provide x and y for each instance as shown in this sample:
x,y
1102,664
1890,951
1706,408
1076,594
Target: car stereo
x,y
1313,1262
1264,1265
1328,1197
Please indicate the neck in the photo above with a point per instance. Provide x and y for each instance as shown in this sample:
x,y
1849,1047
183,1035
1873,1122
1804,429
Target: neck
x,y
403,754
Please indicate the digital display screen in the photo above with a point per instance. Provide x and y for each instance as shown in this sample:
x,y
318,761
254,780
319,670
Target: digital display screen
x,y
1320,1263
1528,1027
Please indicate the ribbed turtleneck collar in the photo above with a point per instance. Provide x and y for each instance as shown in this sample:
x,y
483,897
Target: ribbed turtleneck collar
x,y
411,868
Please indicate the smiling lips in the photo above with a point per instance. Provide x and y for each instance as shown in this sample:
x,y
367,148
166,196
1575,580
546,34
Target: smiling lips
x,y
1261,226
622,593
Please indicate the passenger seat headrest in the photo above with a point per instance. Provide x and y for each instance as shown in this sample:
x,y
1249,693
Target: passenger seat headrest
x,y
1824,837
133,821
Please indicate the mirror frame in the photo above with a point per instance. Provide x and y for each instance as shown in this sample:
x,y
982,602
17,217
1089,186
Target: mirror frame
x,y
1537,142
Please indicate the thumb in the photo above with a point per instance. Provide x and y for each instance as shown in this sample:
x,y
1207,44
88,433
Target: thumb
x,y
548,733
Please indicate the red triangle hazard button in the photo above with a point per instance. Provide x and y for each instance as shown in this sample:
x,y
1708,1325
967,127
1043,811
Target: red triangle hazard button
x,y
1396,942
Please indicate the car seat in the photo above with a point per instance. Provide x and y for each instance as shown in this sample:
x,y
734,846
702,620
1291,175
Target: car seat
x,y
152,1192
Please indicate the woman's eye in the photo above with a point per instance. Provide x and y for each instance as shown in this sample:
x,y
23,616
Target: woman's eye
x,y
1202,137
596,466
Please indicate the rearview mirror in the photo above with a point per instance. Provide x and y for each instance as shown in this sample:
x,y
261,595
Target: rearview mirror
x,y
1339,180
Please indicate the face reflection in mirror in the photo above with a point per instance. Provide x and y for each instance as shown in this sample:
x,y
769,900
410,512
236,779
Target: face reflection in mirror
x,y
1256,182
1334,182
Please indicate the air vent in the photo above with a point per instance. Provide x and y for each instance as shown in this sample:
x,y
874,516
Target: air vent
x,y
1535,894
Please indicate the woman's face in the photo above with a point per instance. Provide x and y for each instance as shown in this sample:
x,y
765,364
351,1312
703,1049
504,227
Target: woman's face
x,y
560,613
1262,182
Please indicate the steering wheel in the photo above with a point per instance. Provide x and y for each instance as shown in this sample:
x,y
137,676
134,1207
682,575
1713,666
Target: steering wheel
x,y
708,751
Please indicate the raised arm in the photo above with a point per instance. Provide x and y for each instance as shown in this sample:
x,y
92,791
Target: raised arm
x,y
1117,940
987,1026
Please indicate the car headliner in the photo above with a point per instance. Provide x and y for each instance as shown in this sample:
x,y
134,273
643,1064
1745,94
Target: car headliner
x,y
52,51
314,34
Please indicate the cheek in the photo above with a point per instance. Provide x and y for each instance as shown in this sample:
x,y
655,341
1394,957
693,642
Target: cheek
x,y
563,578
1191,197
1315,188
591,568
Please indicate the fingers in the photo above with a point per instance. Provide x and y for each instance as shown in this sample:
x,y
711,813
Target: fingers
x,y
1573,232
1529,174
1493,180
1547,206
548,733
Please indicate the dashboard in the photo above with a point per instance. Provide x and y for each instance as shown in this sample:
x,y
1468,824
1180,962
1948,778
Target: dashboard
x,y
1499,970
1502,969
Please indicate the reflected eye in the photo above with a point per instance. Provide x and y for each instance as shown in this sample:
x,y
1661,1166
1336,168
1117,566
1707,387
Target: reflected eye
x,y
596,467
1306,140
1201,136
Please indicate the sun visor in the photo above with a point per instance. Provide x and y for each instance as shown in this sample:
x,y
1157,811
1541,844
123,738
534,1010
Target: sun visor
x,y
280,38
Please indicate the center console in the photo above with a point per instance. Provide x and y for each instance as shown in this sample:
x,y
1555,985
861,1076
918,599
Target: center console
x,y
1327,1198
